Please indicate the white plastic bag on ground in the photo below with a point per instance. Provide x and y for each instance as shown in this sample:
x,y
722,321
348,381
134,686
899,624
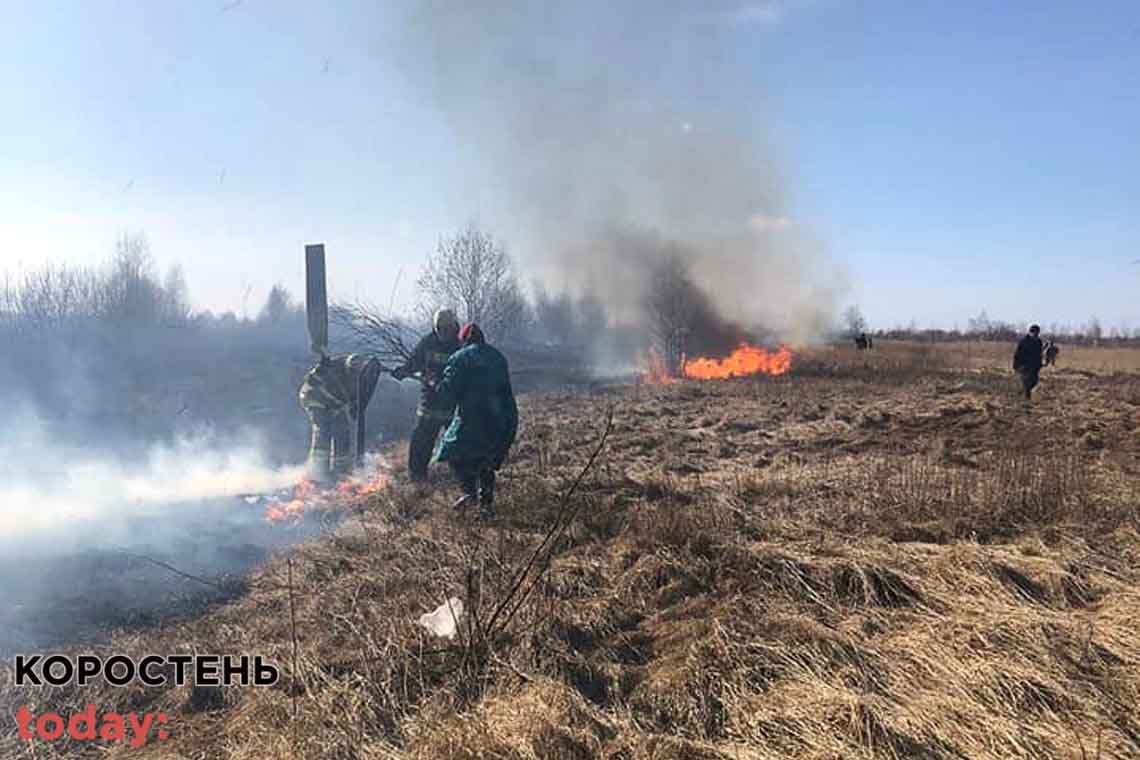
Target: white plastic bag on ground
x,y
444,620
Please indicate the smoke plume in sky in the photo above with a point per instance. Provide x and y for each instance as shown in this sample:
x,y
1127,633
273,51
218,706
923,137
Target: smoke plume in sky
x,y
608,133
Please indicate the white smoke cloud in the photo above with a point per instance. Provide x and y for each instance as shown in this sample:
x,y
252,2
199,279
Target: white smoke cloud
x,y
46,488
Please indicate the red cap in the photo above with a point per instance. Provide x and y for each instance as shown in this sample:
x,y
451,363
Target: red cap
x,y
471,333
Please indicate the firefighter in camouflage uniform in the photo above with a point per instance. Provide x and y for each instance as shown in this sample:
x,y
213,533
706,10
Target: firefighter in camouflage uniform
x,y
333,394
428,360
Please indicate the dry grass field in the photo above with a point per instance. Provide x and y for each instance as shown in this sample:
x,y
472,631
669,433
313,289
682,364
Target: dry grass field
x,y
877,555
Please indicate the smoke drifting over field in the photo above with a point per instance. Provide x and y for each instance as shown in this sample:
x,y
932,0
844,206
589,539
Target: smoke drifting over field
x,y
78,512
614,135
53,488
125,441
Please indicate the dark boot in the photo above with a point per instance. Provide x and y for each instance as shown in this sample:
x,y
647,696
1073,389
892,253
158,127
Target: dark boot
x,y
468,479
487,492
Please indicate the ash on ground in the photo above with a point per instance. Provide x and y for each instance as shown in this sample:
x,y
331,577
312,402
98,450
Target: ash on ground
x,y
79,586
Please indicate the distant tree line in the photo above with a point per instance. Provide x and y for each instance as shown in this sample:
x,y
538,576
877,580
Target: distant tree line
x,y
985,328
127,289
470,272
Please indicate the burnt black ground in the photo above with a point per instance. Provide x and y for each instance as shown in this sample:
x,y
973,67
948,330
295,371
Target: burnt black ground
x,y
94,578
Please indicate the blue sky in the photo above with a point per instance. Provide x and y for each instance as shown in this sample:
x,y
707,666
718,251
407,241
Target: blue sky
x,y
946,157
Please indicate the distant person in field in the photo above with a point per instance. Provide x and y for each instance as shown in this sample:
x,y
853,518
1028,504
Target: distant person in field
x,y
1027,359
427,361
862,342
476,383
333,393
1051,352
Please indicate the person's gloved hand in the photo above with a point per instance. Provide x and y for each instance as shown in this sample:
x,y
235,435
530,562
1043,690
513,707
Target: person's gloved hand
x,y
399,373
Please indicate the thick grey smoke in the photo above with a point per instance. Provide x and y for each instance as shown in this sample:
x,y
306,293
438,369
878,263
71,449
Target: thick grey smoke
x,y
52,488
610,133
76,521
122,443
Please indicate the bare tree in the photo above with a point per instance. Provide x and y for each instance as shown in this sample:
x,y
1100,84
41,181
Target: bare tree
x,y
51,296
980,325
554,315
682,320
131,291
669,304
366,328
39,300
246,292
175,297
1093,330
279,306
473,274
854,321
126,290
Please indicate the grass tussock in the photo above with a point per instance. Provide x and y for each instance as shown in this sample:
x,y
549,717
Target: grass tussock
x,y
878,557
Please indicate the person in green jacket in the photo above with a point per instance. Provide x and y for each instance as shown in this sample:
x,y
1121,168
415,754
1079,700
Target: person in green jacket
x,y
476,383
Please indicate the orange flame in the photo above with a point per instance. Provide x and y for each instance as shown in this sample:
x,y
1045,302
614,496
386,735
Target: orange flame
x,y
658,371
302,492
308,495
745,360
357,489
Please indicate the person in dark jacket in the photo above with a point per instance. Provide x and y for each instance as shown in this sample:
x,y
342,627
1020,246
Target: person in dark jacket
x,y
1027,359
476,382
427,361
1051,351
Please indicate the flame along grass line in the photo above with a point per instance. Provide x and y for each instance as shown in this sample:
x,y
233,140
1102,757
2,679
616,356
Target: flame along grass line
x,y
658,371
745,360
308,495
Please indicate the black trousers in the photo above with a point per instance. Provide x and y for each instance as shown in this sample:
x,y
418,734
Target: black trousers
x,y
1029,377
422,444
477,479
